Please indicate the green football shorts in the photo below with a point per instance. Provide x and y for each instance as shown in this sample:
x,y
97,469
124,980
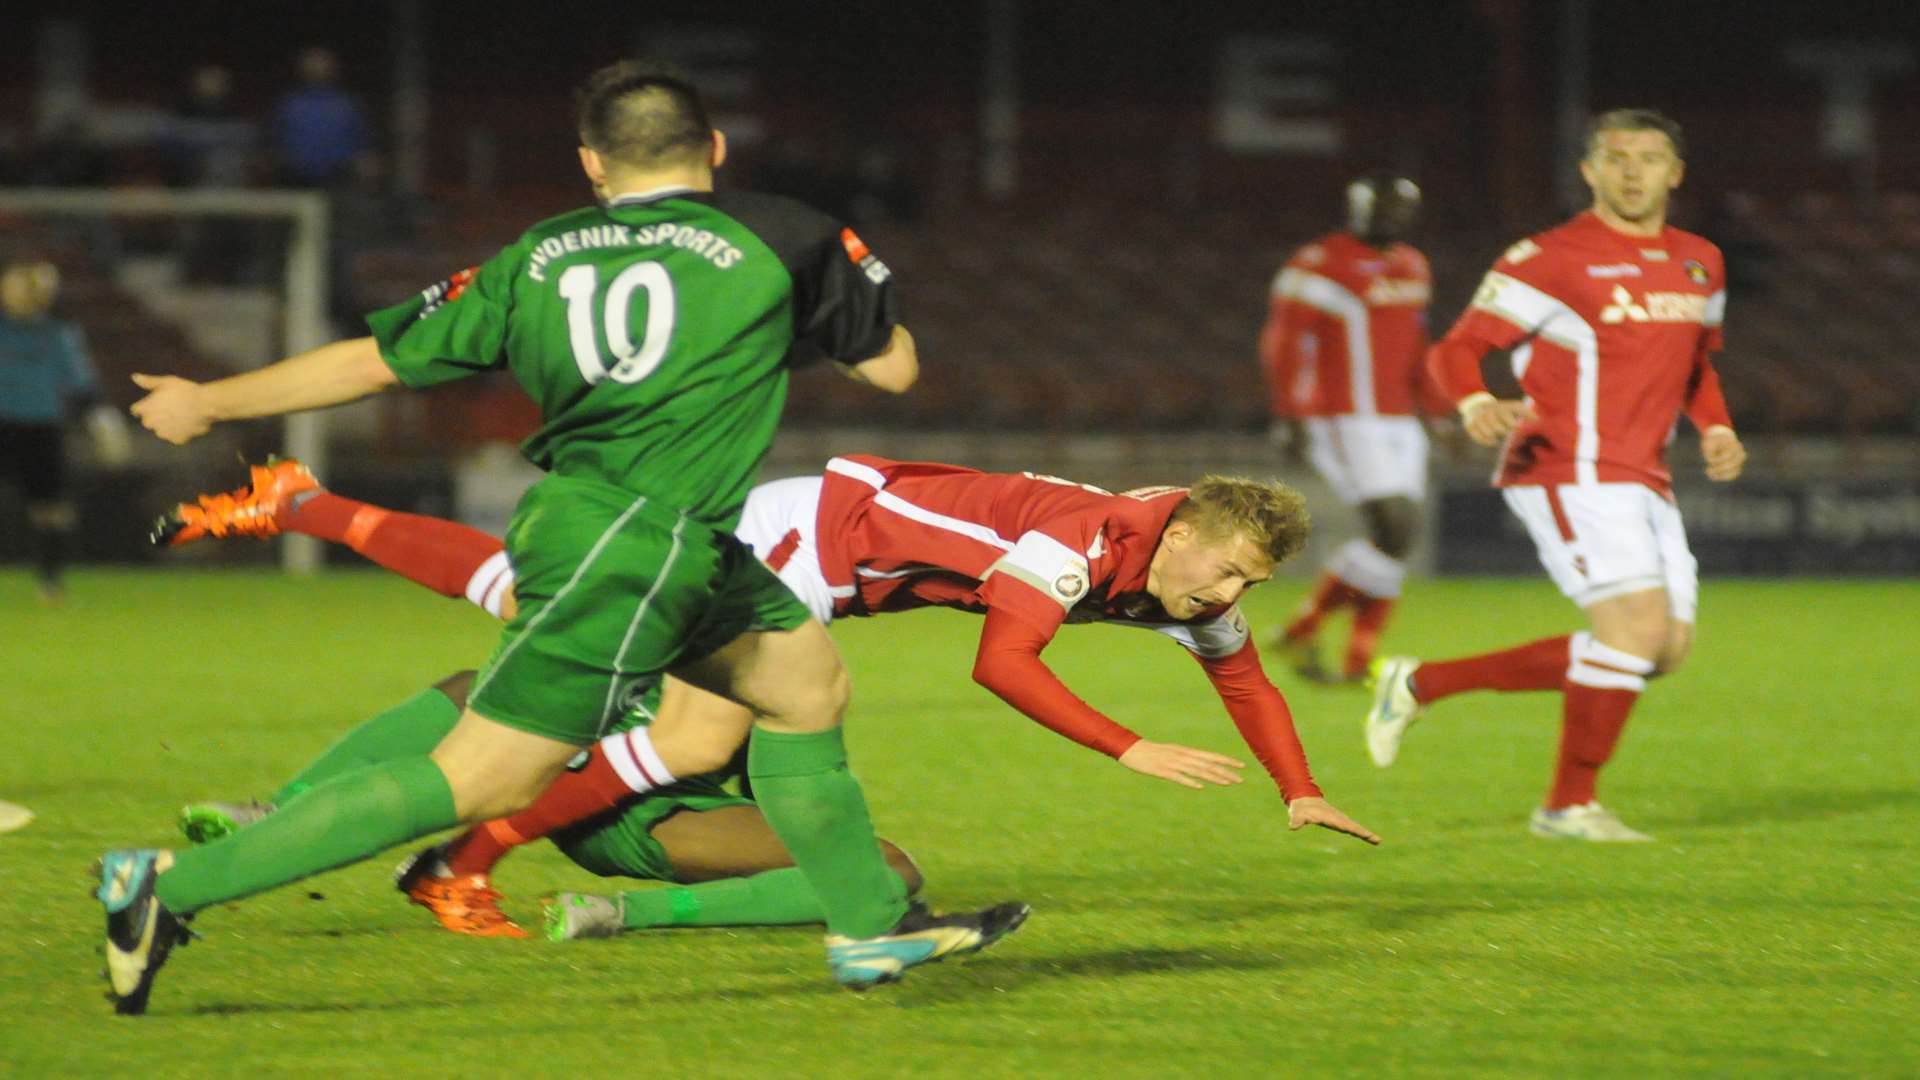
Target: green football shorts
x,y
613,590
622,845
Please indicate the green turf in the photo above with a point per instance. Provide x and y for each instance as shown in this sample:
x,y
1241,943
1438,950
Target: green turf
x,y
1772,930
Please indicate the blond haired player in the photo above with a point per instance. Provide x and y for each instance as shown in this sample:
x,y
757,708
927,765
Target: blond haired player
x,y
868,537
1612,319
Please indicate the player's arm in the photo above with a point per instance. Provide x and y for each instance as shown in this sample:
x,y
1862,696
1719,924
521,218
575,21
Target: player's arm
x,y
1008,663
894,370
1265,722
1509,307
80,387
180,410
1707,410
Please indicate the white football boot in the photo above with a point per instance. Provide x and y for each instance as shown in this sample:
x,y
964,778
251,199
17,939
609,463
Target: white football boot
x,y
1588,821
1394,710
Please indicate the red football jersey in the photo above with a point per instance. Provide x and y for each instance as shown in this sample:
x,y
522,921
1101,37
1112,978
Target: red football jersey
x,y
1610,335
1346,332
898,535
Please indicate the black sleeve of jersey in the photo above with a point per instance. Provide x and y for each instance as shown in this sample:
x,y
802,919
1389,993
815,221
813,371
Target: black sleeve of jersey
x,y
844,303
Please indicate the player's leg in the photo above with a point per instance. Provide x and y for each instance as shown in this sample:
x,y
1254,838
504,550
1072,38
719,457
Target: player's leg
x,y
1331,591
413,727
282,496
726,865
539,699
1404,686
782,665
42,468
1377,569
696,730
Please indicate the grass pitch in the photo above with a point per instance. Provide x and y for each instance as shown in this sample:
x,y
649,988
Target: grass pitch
x,y
1773,930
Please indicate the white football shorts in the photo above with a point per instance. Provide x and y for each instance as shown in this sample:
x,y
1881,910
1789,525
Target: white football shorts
x,y
1363,458
778,524
1599,541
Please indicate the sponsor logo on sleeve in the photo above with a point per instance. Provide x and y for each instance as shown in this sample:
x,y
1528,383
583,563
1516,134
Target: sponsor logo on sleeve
x,y
1521,252
446,292
863,257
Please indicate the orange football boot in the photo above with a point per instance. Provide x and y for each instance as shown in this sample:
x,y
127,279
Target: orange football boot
x,y
464,904
256,510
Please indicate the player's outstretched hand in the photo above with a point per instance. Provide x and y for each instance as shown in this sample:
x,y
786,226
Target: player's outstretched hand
x,y
173,409
1725,456
1316,811
1489,421
1181,764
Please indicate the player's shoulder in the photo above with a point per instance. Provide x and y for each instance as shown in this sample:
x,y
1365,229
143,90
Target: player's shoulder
x,y
1316,254
784,223
1691,245
1411,258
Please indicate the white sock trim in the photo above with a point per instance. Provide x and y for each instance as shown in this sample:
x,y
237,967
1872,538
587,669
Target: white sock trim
x,y
1368,569
1592,664
633,757
488,585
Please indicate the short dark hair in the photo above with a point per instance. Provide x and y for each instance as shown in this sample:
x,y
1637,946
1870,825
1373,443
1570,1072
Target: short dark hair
x,y
1637,120
642,113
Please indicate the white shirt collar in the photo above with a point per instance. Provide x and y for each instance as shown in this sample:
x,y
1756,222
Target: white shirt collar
x,y
648,195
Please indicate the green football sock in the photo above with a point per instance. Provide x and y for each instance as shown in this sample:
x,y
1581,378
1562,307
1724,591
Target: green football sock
x,y
339,821
815,806
771,898
409,729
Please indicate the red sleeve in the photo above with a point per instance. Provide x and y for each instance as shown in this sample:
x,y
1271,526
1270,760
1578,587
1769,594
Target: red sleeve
x,y
1263,718
1453,366
1280,354
1706,405
1009,664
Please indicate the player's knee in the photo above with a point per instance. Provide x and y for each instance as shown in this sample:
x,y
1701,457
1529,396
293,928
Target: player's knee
x,y
457,687
1678,647
903,864
815,705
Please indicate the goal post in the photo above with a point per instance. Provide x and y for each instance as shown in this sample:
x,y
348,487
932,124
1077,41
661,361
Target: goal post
x,y
303,316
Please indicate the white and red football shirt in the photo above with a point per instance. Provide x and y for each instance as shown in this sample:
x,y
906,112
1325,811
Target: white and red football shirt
x,y
1346,332
1611,336
1033,553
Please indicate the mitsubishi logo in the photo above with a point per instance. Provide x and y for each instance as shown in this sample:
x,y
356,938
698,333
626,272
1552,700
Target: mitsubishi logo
x,y
1623,308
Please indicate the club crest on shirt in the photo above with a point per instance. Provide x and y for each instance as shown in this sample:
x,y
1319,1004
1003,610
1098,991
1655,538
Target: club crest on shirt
x,y
1696,272
1070,586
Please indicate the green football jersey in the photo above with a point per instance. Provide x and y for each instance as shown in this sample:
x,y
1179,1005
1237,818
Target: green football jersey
x,y
655,333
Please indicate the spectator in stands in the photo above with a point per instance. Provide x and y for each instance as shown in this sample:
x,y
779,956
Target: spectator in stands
x,y
45,376
318,127
210,143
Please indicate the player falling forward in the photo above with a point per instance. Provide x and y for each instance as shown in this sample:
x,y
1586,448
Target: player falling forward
x,y
1613,318
1342,353
655,330
873,536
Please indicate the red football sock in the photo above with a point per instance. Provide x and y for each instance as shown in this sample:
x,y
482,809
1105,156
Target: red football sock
x,y
1329,595
442,555
1369,619
575,797
1591,721
1537,665
618,767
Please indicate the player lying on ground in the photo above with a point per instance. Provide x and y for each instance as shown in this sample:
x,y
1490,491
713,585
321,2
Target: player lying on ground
x,y
714,848
1612,319
873,536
